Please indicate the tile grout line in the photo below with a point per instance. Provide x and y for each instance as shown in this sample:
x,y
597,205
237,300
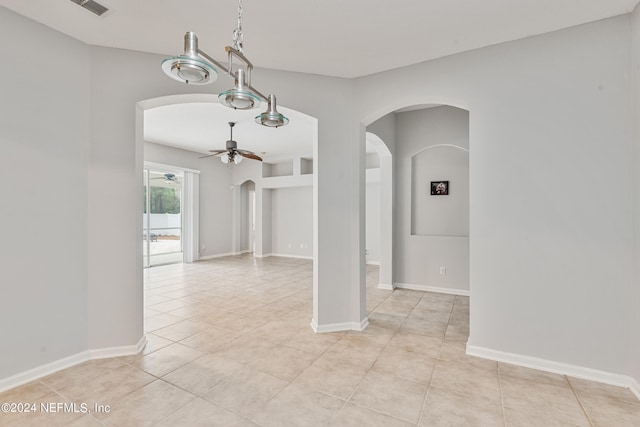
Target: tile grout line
x,y
504,412
584,410
437,360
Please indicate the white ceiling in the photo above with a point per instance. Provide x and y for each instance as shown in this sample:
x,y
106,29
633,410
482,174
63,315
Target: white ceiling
x,y
346,38
343,38
201,127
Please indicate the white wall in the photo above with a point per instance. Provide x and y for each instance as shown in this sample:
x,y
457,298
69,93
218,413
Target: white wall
x,y
551,266
422,251
635,73
292,221
215,193
441,215
44,148
373,221
551,271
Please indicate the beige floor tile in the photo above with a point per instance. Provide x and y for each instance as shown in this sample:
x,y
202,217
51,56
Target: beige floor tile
x,y
181,330
392,395
283,362
455,351
606,404
336,378
200,413
246,349
27,392
47,410
210,308
425,345
355,349
80,373
166,359
584,387
532,374
427,327
407,365
246,392
85,421
202,374
210,340
535,403
108,387
605,412
358,416
298,406
310,342
462,407
160,321
146,406
167,306
453,375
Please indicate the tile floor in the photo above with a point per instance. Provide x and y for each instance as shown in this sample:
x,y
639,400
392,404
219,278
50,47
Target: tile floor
x,y
230,345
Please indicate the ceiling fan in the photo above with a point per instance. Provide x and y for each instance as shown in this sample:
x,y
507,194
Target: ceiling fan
x,y
169,178
232,153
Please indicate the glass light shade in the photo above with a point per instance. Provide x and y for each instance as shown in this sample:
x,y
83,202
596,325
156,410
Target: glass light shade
x,y
272,120
237,159
189,69
224,158
239,99
271,117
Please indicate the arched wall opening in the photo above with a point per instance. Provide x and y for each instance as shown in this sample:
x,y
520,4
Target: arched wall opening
x,y
379,187
439,260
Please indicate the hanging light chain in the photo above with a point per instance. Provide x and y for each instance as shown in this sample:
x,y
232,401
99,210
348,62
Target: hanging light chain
x,y
237,33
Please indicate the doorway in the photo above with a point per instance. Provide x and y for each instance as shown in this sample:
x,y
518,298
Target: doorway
x,y
162,217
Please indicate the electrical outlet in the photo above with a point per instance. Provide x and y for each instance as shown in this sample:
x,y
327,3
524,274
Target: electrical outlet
x,y
443,271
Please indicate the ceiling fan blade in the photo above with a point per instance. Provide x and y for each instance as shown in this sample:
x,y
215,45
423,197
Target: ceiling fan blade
x,y
249,155
214,153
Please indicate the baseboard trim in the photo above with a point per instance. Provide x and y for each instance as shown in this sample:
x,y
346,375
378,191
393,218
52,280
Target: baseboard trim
x,y
436,289
293,256
339,327
555,367
42,371
385,286
67,362
204,258
635,387
126,350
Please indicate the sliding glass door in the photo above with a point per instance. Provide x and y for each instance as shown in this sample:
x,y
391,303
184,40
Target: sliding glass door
x,y
162,218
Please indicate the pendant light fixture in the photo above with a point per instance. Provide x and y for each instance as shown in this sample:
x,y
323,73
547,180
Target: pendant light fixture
x,y
196,67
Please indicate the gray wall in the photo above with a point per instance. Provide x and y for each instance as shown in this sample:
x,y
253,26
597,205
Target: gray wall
x,y
551,269
215,194
373,222
635,72
421,246
292,221
551,254
44,148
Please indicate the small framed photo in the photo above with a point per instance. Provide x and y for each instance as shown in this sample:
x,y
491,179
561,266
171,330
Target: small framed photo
x,y
439,188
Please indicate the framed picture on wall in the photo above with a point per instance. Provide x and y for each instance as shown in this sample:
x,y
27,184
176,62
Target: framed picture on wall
x,y
439,188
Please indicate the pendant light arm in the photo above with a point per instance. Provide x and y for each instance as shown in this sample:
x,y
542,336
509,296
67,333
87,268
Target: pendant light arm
x,y
239,55
257,92
213,61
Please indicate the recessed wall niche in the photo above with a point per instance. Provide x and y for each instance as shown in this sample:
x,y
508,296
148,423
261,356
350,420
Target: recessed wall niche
x,y
277,169
440,215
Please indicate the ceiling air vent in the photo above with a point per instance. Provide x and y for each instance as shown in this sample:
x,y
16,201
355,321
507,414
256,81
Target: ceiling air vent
x,y
91,6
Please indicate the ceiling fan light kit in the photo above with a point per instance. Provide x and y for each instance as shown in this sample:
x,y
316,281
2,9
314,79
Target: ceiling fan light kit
x,y
231,153
196,67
